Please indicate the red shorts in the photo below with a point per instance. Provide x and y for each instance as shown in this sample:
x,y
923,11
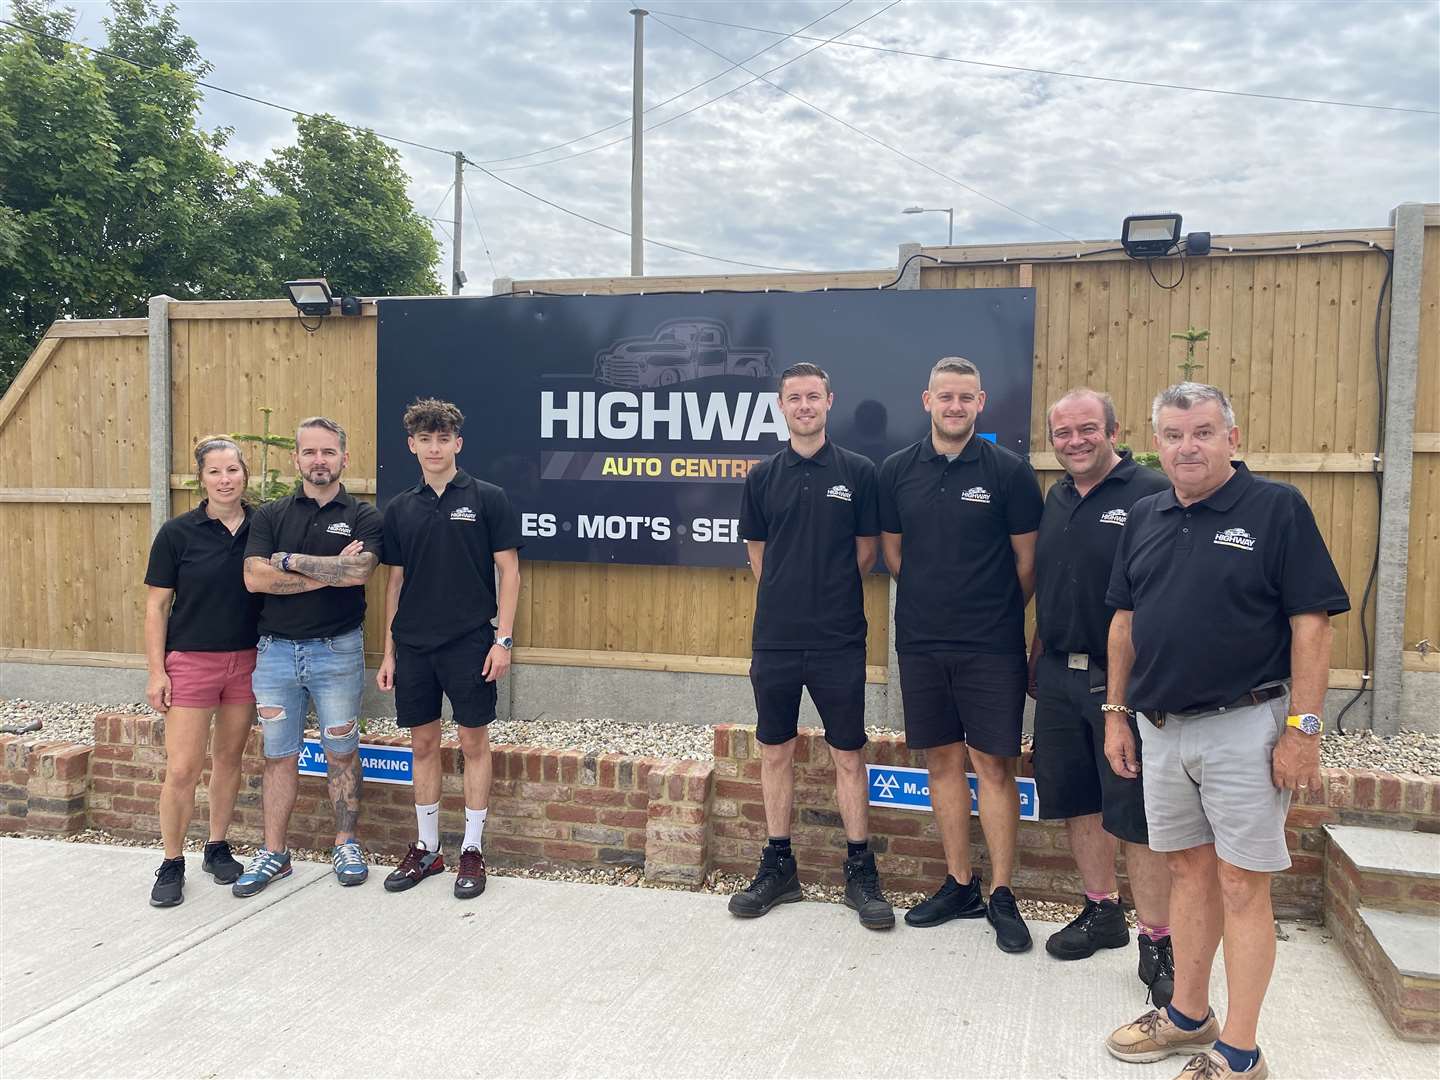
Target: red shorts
x,y
203,680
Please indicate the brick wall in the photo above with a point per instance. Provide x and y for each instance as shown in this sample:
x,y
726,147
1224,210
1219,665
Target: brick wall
x,y
677,819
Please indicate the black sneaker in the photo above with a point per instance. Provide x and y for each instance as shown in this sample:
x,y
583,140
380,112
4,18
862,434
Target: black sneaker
x,y
1100,926
169,888
778,882
220,864
1011,933
953,901
862,892
1157,970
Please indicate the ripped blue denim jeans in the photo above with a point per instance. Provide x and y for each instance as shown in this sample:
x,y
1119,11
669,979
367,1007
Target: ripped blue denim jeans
x,y
289,675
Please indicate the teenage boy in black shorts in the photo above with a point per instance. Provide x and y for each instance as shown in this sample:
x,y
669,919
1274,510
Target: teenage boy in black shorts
x,y
809,521
959,516
448,536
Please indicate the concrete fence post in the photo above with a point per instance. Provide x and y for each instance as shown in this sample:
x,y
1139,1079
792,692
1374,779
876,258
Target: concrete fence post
x,y
160,423
1408,221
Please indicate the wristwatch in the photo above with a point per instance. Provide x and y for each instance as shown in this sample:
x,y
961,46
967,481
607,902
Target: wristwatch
x,y
1308,723
506,642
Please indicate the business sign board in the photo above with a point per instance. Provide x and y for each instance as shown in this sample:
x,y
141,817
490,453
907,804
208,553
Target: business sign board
x,y
382,764
622,427
909,789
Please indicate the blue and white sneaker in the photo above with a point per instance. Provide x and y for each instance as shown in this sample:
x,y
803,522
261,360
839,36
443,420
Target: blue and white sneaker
x,y
264,868
349,863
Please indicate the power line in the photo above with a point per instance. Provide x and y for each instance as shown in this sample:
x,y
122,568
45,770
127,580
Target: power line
x,y
478,228
680,115
880,142
667,101
389,138
1065,74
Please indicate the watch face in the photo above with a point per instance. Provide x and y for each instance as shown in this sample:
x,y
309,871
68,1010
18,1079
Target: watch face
x,y
1310,724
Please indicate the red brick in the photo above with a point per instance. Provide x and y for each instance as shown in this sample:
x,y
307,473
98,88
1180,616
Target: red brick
x,y
570,812
152,791
534,764
513,844
722,741
636,839
106,786
110,752
637,800
1364,790
675,834
570,852
625,819
599,797
1309,817
926,849
737,789
1425,892
1415,799
605,771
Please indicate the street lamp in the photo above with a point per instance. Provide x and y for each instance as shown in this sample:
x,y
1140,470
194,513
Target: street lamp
x,y
948,211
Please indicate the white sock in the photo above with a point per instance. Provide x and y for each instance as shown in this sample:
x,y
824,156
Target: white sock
x,y
428,818
474,828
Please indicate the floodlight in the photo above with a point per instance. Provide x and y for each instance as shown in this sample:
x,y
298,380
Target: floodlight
x,y
1149,236
311,296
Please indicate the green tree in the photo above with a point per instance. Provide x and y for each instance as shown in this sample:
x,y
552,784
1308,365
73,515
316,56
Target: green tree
x,y
359,228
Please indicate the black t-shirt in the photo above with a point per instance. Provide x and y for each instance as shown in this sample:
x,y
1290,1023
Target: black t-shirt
x,y
299,525
199,558
958,588
1213,586
1076,550
808,512
446,545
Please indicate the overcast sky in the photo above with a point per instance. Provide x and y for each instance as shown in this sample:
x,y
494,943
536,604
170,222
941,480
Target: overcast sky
x,y
760,177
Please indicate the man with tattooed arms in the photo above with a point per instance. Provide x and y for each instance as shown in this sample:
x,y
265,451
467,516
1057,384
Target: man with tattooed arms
x,y
310,554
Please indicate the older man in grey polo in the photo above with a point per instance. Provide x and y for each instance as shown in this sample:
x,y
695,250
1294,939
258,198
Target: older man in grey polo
x,y
1223,591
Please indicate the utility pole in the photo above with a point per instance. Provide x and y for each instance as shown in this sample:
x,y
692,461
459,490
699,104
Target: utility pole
x,y
637,151
455,251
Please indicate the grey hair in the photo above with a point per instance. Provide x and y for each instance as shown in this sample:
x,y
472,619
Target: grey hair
x,y
954,365
1107,405
322,422
1186,395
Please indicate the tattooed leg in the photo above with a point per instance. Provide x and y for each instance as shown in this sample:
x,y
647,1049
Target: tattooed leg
x,y
344,780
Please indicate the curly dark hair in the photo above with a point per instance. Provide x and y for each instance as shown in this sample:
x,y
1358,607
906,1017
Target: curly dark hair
x,y
432,414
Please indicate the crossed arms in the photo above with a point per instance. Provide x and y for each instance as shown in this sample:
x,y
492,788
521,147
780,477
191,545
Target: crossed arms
x,y
353,566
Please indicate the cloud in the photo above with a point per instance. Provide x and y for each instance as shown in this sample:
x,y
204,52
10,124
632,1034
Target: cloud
x,y
757,176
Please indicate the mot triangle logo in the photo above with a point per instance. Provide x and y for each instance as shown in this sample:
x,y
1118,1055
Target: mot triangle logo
x,y
886,785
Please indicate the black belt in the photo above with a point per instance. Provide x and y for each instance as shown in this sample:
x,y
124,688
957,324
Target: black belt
x,y
1252,697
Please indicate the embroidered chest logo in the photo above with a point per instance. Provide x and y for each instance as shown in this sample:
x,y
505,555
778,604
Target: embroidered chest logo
x,y
839,491
1114,517
1235,538
462,513
976,494
339,528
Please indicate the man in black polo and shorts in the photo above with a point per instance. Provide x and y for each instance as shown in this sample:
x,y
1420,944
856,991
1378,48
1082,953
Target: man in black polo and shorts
x,y
1223,593
809,522
445,539
1085,514
958,516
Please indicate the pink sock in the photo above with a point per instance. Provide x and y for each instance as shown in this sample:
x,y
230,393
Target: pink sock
x,y
1099,896
1154,933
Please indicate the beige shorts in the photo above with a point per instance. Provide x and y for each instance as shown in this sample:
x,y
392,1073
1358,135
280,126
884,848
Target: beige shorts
x,y
1207,781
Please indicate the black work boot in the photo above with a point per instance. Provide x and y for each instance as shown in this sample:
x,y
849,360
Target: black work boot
x,y
220,863
777,882
1011,933
952,901
1157,970
169,887
1100,926
862,892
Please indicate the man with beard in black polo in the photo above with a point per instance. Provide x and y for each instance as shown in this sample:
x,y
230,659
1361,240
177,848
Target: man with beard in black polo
x,y
809,521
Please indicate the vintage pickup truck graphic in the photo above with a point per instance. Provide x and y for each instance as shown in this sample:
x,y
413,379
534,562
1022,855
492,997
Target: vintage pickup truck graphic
x,y
679,350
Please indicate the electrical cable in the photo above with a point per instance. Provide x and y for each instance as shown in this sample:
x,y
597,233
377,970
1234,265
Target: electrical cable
x,y
479,229
667,101
881,142
1067,74
1168,288
709,101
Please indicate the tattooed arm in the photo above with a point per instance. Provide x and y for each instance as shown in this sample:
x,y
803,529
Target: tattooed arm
x,y
261,577
343,570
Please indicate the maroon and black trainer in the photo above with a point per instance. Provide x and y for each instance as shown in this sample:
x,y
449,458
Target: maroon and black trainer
x,y
417,865
470,881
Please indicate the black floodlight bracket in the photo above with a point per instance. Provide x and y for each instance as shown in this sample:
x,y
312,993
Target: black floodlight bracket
x,y
1150,236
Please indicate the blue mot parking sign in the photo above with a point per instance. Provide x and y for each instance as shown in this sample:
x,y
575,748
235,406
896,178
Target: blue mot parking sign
x,y
382,764
909,789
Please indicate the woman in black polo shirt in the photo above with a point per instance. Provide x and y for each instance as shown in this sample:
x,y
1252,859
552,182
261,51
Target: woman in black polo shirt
x,y
200,635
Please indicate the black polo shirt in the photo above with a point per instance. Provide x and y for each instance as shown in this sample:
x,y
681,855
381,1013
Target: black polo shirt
x,y
958,589
1213,586
199,558
1076,551
446,545
808,512
299,525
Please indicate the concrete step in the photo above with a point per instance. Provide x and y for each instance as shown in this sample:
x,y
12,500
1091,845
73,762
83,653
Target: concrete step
x,y
1387,869
1398,956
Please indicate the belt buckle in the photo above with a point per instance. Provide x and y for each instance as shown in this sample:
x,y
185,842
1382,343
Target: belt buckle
x,y
1079,661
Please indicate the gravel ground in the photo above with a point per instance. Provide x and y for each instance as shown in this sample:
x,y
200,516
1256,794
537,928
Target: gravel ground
x,y
1409,751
